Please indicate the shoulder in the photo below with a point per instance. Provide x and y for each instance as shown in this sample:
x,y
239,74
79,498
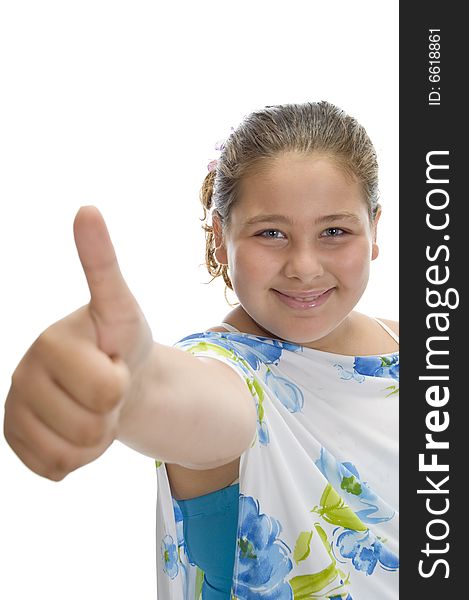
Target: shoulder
x,y
394,325
369,335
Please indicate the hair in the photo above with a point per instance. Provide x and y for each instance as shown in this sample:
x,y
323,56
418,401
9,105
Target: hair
x,y
310,128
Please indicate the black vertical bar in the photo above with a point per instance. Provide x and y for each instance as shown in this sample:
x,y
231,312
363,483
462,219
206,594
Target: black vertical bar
x,y
434,255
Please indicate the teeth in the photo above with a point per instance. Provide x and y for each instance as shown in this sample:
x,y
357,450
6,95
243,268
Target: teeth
x,y
303,298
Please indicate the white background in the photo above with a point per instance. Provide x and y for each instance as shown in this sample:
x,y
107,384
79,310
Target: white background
x,y
119,104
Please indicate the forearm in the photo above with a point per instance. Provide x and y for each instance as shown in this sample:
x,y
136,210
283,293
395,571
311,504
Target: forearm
x,y
186,410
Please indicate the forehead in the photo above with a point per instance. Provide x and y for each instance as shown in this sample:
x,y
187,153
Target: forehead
x,y
292,183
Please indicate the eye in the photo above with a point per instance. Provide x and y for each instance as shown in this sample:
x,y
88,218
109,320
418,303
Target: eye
x,y
333,232
271,234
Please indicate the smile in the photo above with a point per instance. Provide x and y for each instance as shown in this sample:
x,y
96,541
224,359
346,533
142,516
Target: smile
x,y
303,300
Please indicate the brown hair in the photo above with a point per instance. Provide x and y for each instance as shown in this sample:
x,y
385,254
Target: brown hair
x,y
312,127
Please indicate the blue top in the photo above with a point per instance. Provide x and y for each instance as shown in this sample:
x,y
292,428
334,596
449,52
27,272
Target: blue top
x,y
216,513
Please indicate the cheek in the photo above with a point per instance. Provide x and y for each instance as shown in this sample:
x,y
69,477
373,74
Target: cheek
x,y
353,263
250,262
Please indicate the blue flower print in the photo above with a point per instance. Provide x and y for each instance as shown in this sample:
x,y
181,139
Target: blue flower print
x,y
258,395
281,344
179,520
357,494
347,374
253,349
378,366
366,551
289,394
181,544
263,433
169,556
263,558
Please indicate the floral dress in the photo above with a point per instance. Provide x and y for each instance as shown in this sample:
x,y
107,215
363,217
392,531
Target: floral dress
x,y
318,486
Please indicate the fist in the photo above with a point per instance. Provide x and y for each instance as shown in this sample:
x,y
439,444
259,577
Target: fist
x,y
66,394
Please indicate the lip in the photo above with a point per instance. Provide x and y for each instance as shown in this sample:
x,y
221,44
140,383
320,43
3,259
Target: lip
x,y
300,300
302,294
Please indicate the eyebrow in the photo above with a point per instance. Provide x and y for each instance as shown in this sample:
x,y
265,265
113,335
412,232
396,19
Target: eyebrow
x,y
283,219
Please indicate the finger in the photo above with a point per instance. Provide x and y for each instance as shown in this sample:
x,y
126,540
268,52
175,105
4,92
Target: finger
x,y
71,421
46,453
111,298
83,371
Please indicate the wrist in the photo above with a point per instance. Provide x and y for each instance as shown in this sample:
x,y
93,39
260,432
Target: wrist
x,y
140,387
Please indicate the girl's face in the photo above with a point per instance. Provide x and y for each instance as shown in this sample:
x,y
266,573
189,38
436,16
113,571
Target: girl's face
x,y
298,249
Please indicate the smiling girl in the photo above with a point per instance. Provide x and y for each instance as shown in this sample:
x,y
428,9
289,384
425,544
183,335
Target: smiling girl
x,y
275,432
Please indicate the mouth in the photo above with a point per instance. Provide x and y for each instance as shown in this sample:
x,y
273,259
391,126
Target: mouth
x,y
303,299
306,296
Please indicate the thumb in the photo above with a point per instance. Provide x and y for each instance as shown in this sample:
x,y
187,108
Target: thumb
x,y
111,299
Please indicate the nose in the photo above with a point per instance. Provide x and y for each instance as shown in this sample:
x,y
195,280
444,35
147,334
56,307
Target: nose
x,y
303,262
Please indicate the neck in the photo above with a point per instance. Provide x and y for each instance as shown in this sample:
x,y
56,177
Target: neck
x,y
357,335
245,323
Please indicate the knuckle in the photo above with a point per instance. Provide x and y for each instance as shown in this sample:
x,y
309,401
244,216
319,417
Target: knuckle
x,y
46,342
18,379
41,464
52,475
59,467
14,429
10,437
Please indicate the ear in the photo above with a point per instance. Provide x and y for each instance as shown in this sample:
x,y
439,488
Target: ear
x,y
374,231
220,249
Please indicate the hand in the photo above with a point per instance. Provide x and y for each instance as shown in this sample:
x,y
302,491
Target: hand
x,y
63,406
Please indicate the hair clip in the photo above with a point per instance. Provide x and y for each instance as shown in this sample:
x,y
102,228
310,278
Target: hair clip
x,y
212,165
219,146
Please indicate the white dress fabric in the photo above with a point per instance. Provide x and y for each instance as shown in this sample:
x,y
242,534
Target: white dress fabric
x,y
318,486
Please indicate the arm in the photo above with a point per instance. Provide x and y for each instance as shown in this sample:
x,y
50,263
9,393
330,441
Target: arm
x,y
196,412
96,376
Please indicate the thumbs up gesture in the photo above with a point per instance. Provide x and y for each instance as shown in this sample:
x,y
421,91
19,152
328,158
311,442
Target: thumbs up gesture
x,y
63,406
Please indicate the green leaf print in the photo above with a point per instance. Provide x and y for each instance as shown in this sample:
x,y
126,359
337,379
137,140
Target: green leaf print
x,y
302,546
199,580
386,361
333,509
247,548
256,390
158,463
327,546
351,485
394,388
325,541
307,586
207,347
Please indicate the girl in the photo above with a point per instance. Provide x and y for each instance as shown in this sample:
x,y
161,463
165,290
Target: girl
x,y
275,432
